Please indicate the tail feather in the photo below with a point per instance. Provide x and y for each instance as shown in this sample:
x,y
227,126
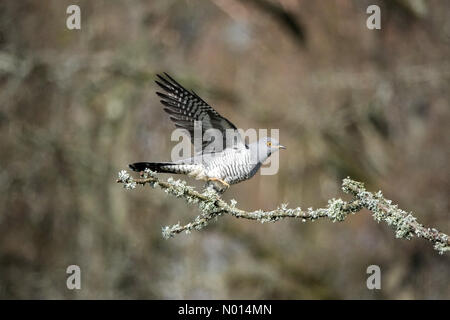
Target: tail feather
x,y
163,167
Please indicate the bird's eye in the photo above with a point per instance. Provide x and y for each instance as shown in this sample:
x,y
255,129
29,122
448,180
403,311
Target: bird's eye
x,y
269,144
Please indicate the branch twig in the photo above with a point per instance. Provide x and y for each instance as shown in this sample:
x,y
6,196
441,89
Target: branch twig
x,y
212,207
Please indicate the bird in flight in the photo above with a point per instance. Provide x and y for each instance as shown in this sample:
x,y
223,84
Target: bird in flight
x,y
221,161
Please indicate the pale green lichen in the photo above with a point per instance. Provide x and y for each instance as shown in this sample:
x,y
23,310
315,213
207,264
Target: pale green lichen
x,y
127,180
212,206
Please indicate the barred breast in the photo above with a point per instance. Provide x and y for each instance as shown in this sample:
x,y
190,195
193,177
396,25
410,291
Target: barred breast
x,y
232,166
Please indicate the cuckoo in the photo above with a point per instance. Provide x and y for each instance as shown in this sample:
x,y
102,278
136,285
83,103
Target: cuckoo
x,y
230,160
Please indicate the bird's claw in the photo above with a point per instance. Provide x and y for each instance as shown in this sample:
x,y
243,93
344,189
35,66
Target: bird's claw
x,y
227,185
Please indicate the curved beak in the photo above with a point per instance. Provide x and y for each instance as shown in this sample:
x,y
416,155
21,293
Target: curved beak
x,y
281,147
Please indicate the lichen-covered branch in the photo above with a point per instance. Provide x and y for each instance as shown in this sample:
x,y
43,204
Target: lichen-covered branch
x,y
212,207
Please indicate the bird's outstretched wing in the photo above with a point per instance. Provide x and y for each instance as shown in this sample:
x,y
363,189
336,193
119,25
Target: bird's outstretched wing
x,y
185,107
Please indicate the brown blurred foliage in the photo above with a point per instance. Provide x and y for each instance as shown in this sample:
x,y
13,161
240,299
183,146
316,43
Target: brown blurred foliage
x,y
76,106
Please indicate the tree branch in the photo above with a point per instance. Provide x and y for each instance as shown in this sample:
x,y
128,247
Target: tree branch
x,y
213,207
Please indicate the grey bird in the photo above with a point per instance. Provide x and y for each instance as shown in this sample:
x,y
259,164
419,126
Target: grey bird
x,y
228,162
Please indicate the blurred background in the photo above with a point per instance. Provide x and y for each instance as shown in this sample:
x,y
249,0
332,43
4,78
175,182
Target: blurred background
x,y
76,106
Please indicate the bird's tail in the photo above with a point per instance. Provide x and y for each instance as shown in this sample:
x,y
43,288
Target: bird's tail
x,y
162,167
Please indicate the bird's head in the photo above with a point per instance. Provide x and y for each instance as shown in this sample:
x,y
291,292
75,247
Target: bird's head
x,y
267,146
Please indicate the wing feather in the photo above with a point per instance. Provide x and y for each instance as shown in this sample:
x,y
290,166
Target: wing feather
x,y
185,107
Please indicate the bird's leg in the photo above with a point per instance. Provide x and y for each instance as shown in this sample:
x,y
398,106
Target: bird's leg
x,y
219,180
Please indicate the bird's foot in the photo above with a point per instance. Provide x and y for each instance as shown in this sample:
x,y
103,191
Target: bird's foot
x,y
219,180
225,184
